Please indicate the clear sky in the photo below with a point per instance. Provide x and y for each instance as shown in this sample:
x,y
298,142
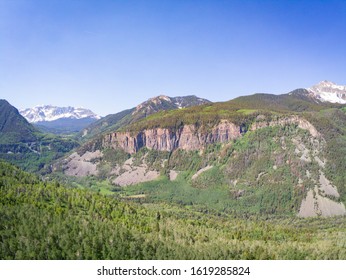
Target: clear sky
x,y
110,55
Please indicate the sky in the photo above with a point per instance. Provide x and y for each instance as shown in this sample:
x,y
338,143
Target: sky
x,y
110,55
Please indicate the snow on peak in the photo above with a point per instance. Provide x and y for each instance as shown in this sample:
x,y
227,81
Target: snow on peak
x,y
327,91
164,97
41,113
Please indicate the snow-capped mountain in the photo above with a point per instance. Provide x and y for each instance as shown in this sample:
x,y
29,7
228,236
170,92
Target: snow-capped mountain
x,y
327,91
48,113
59,120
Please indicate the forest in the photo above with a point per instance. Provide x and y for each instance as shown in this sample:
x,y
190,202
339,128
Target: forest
x,y
46,220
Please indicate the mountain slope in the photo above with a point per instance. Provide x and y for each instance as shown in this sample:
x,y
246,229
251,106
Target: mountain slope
x,y
269,153
240,110
64,125
13,127
153,105
23,145
70,223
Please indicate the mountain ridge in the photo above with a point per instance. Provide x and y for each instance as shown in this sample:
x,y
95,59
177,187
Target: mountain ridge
x,y
59,120
151,106
47,113
14,127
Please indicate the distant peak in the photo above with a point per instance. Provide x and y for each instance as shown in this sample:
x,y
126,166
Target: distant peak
x,y
162,97
326,83
328,91
41,113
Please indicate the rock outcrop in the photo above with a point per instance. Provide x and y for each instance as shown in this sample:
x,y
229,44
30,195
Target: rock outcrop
x,y
317,205
81,166
188,137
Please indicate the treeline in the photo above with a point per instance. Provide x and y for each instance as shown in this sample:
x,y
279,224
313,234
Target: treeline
x,y
44,220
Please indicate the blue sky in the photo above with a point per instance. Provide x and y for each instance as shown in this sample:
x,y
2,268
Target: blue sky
x,y
112,55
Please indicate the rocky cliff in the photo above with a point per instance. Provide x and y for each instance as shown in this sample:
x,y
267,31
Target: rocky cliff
x,y
191,137
188,137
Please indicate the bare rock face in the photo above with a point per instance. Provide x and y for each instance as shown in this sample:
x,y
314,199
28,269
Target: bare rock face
x,y
81,166
188,137
317,205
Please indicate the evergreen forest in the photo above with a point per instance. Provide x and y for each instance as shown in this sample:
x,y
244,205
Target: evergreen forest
x,y
46,220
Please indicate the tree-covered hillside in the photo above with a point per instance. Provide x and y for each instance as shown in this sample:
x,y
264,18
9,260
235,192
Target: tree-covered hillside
x,y
13,127
241,111
45,220
24,145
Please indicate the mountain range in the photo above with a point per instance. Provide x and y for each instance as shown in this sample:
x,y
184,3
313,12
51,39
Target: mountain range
x,y
293,140
70,119
48,113
181,178
59,119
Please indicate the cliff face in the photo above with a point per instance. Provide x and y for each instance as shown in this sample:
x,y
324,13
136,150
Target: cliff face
x,y
188,137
